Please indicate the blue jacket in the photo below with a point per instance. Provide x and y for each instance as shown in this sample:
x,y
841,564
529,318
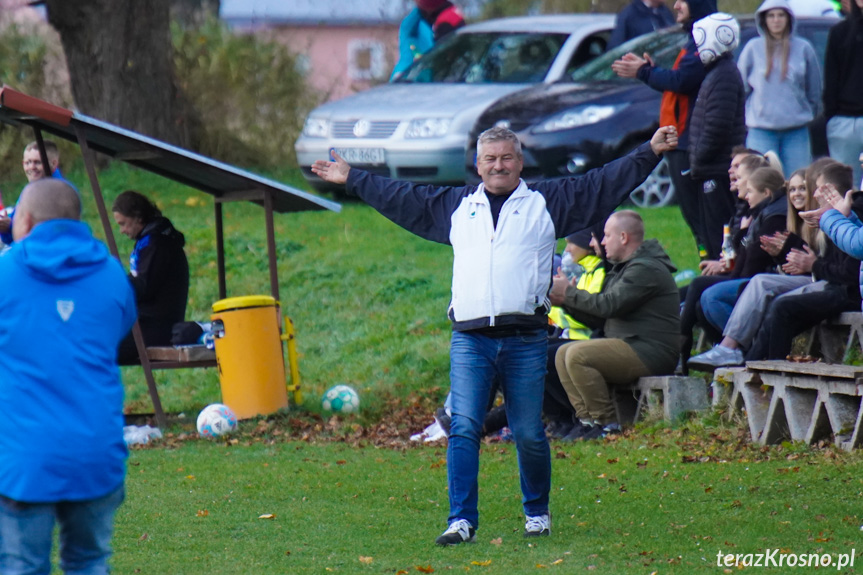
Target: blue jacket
x,y
502,273
846,233
636,19
66,304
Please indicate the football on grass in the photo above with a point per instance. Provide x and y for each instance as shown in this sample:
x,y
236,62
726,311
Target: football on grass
x,y
216,420
341,399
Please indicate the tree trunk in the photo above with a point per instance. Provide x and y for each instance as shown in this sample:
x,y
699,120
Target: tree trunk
x,y
120,63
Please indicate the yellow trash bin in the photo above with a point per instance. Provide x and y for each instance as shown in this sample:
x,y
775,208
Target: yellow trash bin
x,y
249,355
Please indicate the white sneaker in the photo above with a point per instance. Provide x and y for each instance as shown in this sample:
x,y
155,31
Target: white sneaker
x,y
719,356
459,531
433,429
537,525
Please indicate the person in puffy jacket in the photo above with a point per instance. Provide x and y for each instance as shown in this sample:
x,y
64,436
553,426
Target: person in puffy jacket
x,y
717,125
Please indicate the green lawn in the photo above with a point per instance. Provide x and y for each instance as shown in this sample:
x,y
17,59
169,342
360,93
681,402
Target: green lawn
x,y
658,501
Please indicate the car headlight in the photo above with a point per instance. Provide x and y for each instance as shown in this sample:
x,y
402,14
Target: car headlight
x,y
576,117
427,128
316,127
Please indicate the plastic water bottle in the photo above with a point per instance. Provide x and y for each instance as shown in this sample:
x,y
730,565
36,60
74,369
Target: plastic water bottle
x,y
570,268
683,278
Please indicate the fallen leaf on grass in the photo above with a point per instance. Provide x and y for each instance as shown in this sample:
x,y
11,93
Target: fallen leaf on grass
x,y
541,566
202,513
401,572
497,541
366,560
144,537
426,569
557,562
267,516
481,563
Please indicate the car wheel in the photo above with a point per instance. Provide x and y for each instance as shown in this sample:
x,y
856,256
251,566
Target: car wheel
x,y
657,191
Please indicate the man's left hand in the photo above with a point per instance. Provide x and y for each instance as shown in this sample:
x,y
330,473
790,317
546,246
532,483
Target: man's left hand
x,y
664,140
628,65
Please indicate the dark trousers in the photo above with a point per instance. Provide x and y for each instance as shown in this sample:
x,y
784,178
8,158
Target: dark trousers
x,y
686,191
691,314
716,207
792,315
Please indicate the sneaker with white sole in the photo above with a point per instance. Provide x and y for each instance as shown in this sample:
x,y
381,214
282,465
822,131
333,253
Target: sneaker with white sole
x,y
459,531
719,356
537,525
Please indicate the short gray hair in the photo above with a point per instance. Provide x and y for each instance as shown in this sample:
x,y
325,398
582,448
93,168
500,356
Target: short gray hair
x,y
498,134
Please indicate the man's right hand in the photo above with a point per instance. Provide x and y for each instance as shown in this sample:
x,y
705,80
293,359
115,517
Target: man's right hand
x,y
629,64
334,172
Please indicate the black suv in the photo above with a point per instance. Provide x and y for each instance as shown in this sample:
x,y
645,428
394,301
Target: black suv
x,y
572,126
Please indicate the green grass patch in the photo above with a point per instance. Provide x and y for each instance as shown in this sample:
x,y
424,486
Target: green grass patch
x,y
659,500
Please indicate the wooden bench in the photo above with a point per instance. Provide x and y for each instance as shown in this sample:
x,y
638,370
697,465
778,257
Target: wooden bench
x,y
672,395
187,356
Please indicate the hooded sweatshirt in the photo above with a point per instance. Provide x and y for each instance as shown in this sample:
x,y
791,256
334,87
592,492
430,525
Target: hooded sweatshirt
x,y
640,304
774,103
159,272
843,67
66,306
680,84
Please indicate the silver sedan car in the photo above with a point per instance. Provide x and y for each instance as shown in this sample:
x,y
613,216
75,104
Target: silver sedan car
x,y
416,127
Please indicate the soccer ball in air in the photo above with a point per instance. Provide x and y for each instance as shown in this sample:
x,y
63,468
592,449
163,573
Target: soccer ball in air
x,y
216,420
341,399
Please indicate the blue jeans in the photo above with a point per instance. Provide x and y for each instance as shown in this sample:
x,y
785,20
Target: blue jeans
x,y
26,531
717,302
519,362
845,140
792,146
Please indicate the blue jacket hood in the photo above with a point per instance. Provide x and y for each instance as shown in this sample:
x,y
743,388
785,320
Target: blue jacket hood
x,y
698,9
60,250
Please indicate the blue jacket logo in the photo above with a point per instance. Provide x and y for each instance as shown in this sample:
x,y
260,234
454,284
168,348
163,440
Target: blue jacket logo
x,y
65,308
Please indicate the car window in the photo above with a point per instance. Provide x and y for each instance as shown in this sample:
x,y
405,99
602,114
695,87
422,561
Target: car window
x,y
591,47
494,57
662,46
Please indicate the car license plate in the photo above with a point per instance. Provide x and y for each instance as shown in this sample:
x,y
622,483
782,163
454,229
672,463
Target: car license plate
x,y
374,156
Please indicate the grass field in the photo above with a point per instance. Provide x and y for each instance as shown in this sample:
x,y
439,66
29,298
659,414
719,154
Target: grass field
x,y
301,494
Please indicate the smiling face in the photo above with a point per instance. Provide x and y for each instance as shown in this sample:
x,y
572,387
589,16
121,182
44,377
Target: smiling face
x,y
797,193
499,165
32,164
682,8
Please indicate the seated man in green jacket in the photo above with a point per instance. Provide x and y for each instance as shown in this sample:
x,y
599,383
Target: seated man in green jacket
x,y
638,308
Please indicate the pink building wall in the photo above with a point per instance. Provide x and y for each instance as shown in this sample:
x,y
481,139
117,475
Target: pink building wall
x,y
342,60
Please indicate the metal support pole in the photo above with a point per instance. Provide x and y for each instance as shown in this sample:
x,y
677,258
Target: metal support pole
x,y
89,163
220,250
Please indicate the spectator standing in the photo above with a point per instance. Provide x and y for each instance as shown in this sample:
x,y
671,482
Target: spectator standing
x,y
503,235
422,28
783,87
640,17
717,125
679,87
158,270
843,85
640,309
66,306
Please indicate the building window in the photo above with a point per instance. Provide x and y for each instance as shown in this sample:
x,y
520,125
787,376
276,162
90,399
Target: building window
x,y
366,60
